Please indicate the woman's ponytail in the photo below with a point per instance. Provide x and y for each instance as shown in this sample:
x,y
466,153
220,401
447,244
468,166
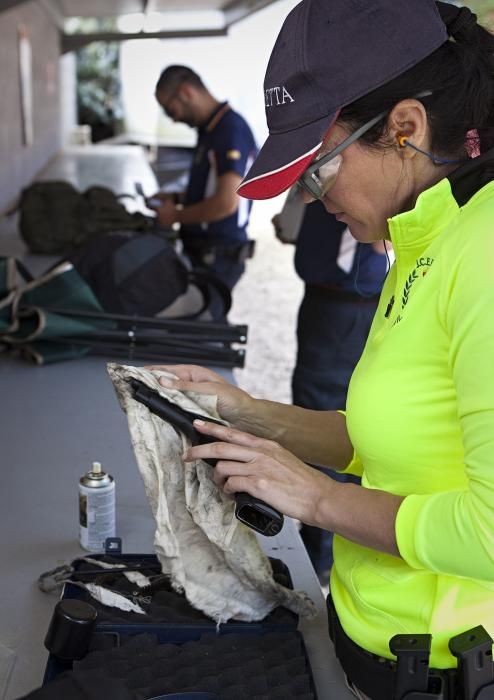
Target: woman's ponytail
x,y
460,22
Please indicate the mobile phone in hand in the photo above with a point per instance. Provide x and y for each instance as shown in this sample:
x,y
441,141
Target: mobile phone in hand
x,y
139,189
290,217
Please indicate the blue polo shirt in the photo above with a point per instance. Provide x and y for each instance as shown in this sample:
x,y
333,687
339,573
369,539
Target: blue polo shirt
x,y
323,248
225,144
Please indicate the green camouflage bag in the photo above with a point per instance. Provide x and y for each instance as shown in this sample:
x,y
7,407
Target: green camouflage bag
x,y
55,217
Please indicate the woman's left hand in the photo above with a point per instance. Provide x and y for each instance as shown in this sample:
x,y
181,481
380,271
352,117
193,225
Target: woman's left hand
x,y
263,469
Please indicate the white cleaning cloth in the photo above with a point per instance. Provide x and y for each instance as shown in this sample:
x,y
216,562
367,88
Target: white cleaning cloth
x,y
208,553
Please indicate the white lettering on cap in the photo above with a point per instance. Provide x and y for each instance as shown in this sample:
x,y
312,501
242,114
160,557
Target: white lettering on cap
x,y
273,98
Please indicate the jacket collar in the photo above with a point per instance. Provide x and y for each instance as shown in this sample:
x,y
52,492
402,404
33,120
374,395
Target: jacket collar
x,y
412,231
215,117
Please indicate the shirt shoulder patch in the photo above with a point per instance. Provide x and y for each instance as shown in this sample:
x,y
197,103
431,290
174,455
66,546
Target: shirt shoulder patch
x,y
233,154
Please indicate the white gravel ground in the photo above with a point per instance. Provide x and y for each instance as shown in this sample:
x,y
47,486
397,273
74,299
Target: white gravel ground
x,y
267,299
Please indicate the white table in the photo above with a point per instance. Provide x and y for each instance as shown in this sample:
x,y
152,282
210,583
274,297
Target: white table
x,y
116,167
54,422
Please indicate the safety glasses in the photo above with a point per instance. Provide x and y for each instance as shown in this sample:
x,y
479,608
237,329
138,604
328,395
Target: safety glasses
x,y
321,174
166,107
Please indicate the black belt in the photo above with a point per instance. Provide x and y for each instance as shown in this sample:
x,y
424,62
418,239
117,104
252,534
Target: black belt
x,y
410,676
329,291
237,251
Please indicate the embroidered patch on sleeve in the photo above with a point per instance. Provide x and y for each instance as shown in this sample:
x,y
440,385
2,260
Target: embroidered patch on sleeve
x,y
233,154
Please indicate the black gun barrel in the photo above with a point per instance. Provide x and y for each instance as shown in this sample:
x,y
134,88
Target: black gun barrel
x,y
255,513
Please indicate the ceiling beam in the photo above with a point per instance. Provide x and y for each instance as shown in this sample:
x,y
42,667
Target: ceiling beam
x,y
53,10
237,10
72,42
8,4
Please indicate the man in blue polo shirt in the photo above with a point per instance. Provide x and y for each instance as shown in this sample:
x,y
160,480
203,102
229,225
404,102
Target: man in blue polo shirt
x,y
343,280
213,219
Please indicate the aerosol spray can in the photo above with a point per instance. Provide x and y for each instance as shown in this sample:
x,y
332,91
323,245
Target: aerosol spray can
x,y
96,508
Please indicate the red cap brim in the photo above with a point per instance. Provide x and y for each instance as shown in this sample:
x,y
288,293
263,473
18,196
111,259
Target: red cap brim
x,y
279,163
272,184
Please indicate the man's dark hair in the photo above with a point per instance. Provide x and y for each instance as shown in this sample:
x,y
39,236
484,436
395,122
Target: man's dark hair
x,y
460,74
173,76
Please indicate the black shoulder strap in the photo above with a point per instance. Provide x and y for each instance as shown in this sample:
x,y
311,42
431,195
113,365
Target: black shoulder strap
x,y
24,271
18,266
205,281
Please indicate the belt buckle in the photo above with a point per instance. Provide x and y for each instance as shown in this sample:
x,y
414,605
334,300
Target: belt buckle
x,y
209,257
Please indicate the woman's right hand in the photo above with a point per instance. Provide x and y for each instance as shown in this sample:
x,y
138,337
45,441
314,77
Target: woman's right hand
x,y
233,403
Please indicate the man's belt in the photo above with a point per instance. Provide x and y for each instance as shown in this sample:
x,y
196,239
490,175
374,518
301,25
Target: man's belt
x,y
409,677
236,251
333,292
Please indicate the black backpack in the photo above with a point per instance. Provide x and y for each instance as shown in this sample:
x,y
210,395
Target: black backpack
x,y
142,274
55,217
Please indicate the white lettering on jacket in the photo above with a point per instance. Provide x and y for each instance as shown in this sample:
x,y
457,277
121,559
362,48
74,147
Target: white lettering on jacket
x,y
278,95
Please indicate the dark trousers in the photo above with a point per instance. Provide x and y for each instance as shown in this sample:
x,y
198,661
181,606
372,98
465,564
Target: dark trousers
x,y
331,335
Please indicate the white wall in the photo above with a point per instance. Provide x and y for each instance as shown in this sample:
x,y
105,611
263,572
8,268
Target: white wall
x,y
21,161
232,67
68,96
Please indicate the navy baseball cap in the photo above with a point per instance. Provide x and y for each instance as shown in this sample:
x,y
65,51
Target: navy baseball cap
x,y
327,55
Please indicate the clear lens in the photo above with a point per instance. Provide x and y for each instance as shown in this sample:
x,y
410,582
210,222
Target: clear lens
x,y
327,174
318,182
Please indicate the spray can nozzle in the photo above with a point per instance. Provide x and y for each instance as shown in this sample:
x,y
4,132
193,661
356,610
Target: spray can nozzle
x,y
96,468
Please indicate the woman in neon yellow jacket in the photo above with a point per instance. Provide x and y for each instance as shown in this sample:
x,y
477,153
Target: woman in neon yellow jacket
x,y
384,110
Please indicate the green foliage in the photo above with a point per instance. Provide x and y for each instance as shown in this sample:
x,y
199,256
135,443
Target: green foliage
x,y
98,81
484,9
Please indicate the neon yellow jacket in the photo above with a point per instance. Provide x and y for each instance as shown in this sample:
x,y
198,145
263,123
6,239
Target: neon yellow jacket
x,y
420,414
